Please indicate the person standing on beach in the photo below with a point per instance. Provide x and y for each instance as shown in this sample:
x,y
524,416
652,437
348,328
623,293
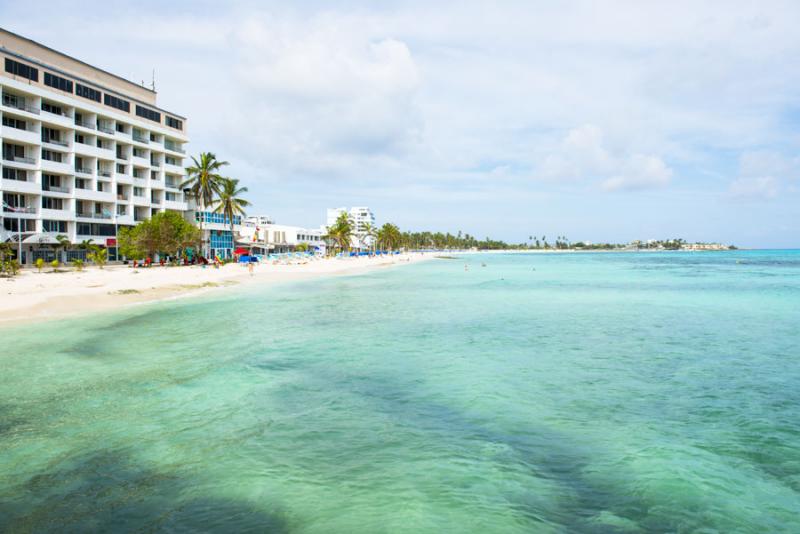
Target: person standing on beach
x,y
250,267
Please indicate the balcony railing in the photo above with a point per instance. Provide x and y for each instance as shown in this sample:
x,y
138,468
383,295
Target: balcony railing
x,y
83,170
122,157
57,113
19,159
155,201
106,174
173,185
93,215
156,164
140,138
86,125
122,197
105,129
55,188
55,142
19,209
16,105
174,148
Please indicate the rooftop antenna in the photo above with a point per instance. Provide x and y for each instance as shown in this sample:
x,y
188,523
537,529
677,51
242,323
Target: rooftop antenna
x,y
153,83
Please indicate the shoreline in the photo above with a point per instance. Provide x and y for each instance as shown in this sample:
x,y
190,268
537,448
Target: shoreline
x,y
32,296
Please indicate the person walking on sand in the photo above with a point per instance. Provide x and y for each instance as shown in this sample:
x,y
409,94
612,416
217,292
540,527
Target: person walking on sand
x,y
250,268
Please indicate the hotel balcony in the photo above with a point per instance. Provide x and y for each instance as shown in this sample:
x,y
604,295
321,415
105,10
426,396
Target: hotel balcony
x,y
14,103
28,135
141,201
175,205
84,124
93,215
22,160
56,119
140,138
105,129
174,148
173,169
62,215
140,161
25,211
55,189
91,194
20,186
84,171
59,167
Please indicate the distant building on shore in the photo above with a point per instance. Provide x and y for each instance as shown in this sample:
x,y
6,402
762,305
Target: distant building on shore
x,y
362,217
264,236
85,152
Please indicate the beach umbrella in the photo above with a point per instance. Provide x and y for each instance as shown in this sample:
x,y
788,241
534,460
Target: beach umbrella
x,y
41,239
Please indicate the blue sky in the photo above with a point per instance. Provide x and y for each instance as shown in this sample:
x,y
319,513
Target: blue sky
x,y
601,121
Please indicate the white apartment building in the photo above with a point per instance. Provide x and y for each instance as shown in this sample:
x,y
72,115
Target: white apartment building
x,y
361,216
261,233
85,152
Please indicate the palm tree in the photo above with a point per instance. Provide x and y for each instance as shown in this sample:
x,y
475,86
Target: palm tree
x,y
63,243
341,231
203,180
230,203
389,235
368,231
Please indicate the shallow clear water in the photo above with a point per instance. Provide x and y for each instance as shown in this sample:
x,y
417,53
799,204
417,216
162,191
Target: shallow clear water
x,y
541,393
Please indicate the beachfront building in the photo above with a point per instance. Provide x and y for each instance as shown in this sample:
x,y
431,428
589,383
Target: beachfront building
x,y
217,239
362,217
261,234
85,152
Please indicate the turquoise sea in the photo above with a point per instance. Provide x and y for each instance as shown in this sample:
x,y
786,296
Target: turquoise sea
x,y
607,392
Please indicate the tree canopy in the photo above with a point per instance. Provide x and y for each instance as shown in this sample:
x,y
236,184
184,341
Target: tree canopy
x,y
166,233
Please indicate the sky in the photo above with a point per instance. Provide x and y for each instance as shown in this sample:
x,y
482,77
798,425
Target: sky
x,y
599,121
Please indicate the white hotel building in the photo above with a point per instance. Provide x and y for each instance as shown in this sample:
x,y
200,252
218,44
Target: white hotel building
x,y
85,152
264,236
361,216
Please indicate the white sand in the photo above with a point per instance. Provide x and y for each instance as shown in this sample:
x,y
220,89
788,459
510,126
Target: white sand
x,y
34,296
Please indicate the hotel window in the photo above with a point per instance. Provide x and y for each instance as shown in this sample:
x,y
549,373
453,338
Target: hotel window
x,y
148,114
12,224
54,226
172,122
120,127
50,180
118,103
170,160
51,155
87,92
15,174
120,168
139,152
15,123
13,152
52,108
138,191
172,197
20,69
82,183
57,82
49,203
79,138
50,134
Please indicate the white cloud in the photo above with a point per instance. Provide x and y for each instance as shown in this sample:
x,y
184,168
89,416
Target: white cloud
x,y
764,174
583,156
755,187
639,172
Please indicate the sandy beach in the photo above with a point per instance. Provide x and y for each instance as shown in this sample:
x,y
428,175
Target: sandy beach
x,y
34,296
